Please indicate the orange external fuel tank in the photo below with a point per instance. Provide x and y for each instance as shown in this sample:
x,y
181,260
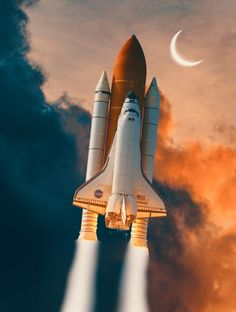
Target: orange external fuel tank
x,y
129,74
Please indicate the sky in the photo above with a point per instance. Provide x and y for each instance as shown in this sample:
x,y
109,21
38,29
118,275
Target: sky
x,y
44,150
75,40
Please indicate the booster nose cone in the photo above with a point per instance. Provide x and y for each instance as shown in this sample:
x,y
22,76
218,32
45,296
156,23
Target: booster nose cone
x,y
103,84
129,74
152,97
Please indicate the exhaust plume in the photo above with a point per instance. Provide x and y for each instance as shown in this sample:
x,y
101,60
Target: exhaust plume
x,y
133,288
79,294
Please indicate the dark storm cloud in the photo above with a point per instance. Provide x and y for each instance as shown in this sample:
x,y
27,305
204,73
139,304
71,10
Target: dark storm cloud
x,y
109,267
38,166
77,122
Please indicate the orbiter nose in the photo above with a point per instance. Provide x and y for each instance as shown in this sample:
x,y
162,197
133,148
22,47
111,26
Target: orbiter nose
x,y
131,95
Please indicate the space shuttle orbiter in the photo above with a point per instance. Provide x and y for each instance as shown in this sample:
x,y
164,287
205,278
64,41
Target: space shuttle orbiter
x,y
120,191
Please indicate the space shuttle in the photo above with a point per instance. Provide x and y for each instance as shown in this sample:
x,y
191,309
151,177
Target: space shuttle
x,y
121,151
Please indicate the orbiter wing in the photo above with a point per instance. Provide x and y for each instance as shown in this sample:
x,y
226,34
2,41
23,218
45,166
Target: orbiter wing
x,y
93,195
150,205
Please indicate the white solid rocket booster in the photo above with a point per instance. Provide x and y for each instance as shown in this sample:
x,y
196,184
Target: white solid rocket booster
x,y
148,146
96,150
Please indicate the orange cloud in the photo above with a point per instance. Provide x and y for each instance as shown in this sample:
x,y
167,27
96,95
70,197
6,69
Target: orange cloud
x,y
192,268
208,172
200,276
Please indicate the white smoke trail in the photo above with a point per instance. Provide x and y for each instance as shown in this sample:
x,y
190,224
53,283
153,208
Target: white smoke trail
x,y
133,293
79,296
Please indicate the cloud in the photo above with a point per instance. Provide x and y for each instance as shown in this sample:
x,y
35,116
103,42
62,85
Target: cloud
x,y
38,176
195,274
227,131
206,171
193,254
76,121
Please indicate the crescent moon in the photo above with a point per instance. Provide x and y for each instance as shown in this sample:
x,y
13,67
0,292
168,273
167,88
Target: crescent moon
x,y
176,56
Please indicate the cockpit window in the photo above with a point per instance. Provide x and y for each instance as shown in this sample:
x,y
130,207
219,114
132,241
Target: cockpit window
x,y
131,110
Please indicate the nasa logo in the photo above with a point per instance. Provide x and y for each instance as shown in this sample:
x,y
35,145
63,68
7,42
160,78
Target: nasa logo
x,y
98,193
